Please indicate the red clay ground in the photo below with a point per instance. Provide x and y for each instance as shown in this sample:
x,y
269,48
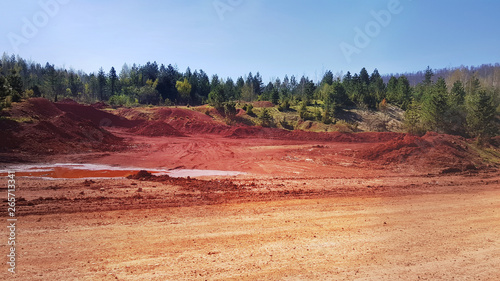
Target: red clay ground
x,y
312,206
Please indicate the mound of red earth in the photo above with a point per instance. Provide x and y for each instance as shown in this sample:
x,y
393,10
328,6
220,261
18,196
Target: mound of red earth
x,y
98,117
445,152
155,129
100,105
189,121
132,114
185,121
68,101
37,126
189,183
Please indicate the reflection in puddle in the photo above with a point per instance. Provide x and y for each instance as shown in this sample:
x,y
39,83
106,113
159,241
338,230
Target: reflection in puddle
x,y
72,171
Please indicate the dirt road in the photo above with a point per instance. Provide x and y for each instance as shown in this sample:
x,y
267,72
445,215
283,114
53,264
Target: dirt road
x,y
433,236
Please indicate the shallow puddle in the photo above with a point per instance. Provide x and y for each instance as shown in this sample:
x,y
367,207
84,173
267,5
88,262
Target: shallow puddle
x,y
77,171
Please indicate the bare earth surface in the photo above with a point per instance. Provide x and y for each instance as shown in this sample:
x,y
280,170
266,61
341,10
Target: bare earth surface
x,y
304,210
437,234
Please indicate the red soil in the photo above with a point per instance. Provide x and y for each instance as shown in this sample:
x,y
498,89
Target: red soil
x,y
45,129
155,129
315,206
68,127
431,150
100,105
189,121
69,173
181,114
68,101
36,108
98,117
188,183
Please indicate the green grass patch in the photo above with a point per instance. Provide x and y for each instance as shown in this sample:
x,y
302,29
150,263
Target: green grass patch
x,y
487,154
28,120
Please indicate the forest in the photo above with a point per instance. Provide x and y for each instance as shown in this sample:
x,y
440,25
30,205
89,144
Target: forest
x,y
462,101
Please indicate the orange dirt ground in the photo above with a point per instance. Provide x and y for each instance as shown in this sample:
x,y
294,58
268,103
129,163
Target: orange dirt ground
x,y
310,206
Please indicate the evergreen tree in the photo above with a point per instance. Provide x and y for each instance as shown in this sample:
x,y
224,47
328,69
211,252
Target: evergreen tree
x,y
257,84
275,96
457,94
204,84
217,97
15,81
435,108
239,87
266,95
265,118
364,77
327,78
5,89
113,78
404,92
230,89
215,82
377,86
413,118
195,96
54,82
392,91
428,77
101,78
481,110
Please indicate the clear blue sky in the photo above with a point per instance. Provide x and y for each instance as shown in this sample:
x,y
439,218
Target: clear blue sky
x,y
234,37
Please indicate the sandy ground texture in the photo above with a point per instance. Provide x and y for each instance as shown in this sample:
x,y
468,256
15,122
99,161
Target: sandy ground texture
x,y
438,233
310,206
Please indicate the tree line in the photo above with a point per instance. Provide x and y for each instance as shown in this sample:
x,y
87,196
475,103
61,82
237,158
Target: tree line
x,y
461,103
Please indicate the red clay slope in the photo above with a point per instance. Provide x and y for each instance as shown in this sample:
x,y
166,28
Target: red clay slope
x,y
432,150
190,122
98,117
155,129
42,128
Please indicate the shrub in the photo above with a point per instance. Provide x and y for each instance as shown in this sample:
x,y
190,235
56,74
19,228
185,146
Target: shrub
x,y
265,118
317,115
286,125
229,110
249,109
326,117
284,106
304,114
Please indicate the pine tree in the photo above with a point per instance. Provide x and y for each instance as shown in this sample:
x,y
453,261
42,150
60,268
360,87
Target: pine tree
x,y
265,118
481,115
435,107
5,89
457,94
428,77
113,78
413,119
217,97
101,78
403,92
